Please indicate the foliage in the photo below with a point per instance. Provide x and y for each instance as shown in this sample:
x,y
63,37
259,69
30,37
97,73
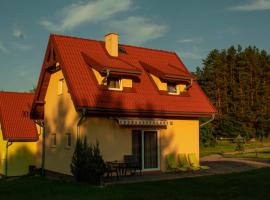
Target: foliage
x,y
206,136
87,164
237,81
240,143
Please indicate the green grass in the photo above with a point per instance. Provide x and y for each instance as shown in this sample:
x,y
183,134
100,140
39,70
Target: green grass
x,y
262,155
238,186
225,147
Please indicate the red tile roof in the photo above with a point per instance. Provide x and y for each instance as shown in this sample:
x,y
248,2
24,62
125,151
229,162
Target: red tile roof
x,y
15,120
145,97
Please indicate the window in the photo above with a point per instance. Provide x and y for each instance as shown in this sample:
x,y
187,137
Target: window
x,y
68,140
114,84
60,86
172,88
53,140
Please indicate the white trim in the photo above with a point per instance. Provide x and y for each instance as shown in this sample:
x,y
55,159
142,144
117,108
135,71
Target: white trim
x,y
158,151
116,89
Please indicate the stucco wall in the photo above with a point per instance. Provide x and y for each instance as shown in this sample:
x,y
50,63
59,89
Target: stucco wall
x,y
181,136
20,156
60,118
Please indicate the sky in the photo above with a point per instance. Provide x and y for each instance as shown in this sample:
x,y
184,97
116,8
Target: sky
x,y
191,28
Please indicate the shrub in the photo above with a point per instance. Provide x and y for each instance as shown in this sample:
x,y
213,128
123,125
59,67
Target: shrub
x,y
87,164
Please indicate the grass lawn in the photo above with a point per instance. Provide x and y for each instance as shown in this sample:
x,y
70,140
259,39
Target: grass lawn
x,y
238,186
262,154
225,146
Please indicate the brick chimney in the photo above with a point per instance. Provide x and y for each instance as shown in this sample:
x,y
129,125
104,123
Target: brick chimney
x,y
111,44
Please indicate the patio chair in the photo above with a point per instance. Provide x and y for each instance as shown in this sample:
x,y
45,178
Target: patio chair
x,y
110,169
172,165
194,161
184,163
132,164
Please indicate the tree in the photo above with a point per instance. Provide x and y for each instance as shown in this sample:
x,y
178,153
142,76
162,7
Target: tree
x,y
237,81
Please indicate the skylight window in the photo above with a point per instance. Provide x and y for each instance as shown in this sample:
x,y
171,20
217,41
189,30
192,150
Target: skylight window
x,y
114,83
122,50
172,88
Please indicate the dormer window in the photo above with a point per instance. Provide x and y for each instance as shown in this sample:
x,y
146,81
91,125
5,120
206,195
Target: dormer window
x,y
172,88
114,83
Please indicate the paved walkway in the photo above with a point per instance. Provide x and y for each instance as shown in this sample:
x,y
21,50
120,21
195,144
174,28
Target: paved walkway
x,y
217,164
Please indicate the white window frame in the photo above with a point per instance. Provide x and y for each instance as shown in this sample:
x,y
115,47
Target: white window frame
x,y
173,93
158,150
60,86
116,89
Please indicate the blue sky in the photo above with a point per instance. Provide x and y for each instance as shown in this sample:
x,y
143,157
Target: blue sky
x,y
189,27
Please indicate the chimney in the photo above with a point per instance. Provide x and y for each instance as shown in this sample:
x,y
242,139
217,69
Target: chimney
x,y
111,44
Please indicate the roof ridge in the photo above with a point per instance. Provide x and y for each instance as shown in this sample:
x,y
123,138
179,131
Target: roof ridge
x,y
121,44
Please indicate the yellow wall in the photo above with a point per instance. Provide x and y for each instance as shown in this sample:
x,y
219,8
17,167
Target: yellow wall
x,y
160,85
20,156
113,140
181,136
60,118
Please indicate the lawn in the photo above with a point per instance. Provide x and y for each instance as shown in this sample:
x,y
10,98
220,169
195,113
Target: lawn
x,y
259,154
239,186
225,147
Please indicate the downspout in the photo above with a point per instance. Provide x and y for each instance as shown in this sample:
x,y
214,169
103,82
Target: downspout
x,y
83,113
42,132
8,144
212,118
43,149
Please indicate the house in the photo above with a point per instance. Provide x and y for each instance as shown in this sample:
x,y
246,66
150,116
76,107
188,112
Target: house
x,y
18,134
132,100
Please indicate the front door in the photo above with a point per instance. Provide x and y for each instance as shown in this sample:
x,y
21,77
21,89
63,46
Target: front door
x,y
145,146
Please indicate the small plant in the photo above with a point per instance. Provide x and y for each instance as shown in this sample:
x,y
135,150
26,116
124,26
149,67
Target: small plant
x,y
240,143
87,163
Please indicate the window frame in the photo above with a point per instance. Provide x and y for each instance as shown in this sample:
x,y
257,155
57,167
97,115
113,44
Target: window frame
x,y
60,89
112,88
176,91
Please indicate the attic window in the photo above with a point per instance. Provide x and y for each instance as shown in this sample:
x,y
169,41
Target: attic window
x,y
114,83
60,86
172,88
122,50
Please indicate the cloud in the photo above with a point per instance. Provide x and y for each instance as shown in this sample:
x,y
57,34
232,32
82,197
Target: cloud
x,y
138,29
21,46
17,33
77,14
3,48
194,53
252,5
191,40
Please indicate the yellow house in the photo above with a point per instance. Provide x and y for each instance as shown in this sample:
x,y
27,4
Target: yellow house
x,y
18,134
132,100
